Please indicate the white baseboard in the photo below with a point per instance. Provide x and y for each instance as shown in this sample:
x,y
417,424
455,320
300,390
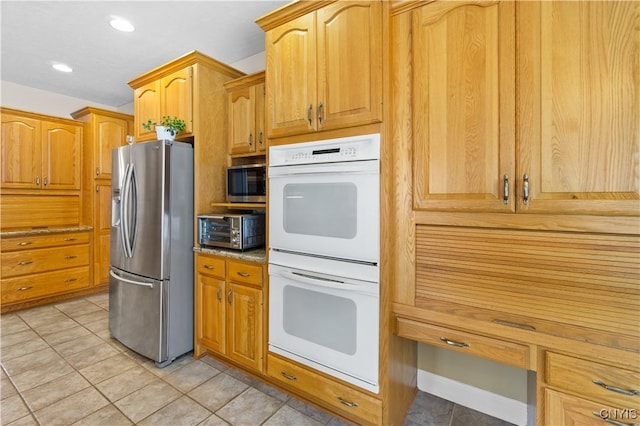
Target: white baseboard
x,y
507,409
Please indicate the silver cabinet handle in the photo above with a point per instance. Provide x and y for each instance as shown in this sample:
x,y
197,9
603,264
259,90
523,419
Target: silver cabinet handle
x,y
347,403
288,376
230,296
38,180
505,196
70,239
25,243
219,294
45,181
24,288
210,267
244,274
71,257
611,421
250,139
97,187
97,171
525,189
320,113
70,280
260,139
310,114
631,392
25,262
454,343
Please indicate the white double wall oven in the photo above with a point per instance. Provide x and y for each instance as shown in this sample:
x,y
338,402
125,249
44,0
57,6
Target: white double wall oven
x,y
324,254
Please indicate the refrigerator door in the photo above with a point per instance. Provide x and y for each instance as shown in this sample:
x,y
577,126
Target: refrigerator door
x,y
140,203
137,313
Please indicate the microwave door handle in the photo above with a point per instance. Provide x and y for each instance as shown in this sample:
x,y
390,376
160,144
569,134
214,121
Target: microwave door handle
x,y
325,282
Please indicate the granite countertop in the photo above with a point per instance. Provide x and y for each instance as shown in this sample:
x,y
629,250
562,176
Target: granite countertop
x,y
40,231
252,255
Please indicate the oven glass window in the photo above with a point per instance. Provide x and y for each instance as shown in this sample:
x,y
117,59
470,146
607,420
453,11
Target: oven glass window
x,y
327,320
321,209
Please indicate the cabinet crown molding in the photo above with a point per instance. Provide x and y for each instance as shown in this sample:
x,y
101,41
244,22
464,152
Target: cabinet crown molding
x,y
245,81
289,12
82,112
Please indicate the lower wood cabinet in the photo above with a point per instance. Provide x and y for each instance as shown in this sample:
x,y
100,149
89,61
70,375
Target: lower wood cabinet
x,y
342,399
229,309
42,265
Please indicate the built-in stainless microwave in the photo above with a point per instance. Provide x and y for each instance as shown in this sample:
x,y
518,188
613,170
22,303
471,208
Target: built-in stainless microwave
x,y
247,183
234,231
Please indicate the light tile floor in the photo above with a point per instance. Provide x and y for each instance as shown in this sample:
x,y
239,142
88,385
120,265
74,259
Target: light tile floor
x,y
60,366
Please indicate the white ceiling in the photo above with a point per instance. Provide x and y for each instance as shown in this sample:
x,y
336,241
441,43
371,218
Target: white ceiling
x,y
37,33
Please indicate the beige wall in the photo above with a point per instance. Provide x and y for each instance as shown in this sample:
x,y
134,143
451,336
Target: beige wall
x,y
510,382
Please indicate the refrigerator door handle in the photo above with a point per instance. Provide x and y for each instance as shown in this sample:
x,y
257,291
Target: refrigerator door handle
x,y
113,274
133,183
124,207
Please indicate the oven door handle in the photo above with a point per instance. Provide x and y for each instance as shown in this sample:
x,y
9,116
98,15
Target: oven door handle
x,y
326,282
356,167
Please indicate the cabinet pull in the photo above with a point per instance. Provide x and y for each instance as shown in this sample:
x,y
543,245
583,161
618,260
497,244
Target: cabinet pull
x,y
310,114
525,189
288,376
250,140
210,267
38,180
97,171
70,280
219,294
24,243
320,113
632,392
244,274
347,403
229,296
97,187
25,262
45,181
454,343
505,197
260,139
70,239
70,257
24,288
611,421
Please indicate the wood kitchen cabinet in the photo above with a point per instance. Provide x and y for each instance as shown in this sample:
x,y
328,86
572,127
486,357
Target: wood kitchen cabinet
x,y
105,130
229,313
246,115
575,150
324,66
40,152
171,95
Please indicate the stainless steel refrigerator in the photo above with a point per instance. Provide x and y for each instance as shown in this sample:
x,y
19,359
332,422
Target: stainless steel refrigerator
x,y
151,274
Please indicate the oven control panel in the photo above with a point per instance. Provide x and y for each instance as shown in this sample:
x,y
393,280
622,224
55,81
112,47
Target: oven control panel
x,y
354,148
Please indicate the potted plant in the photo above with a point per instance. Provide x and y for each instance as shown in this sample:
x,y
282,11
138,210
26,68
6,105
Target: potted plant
x,y
167,128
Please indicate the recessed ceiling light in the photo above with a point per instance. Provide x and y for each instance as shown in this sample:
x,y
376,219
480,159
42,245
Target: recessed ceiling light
x,y
62,67
121,25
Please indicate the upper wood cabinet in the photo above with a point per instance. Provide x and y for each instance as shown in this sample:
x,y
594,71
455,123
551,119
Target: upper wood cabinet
x,y
40,152
246,114
324,67
555,133
579,107
463,116
170,95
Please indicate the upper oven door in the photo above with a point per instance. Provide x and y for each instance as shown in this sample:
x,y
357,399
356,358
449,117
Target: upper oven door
x,y
329,209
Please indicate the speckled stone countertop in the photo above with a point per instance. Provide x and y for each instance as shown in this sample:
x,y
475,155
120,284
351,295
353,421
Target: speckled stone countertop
x,y
251,255
40,231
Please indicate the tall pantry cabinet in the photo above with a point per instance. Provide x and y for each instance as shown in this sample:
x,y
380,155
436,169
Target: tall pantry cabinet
x,y
104,131
518,205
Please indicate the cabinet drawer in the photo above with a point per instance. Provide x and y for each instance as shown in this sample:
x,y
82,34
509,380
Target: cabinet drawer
x,y
45,284
210,266
36,241
577,376
472,344
245,272
48,259
349,402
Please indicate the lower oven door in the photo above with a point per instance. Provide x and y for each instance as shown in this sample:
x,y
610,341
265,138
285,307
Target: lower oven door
x,y
326,322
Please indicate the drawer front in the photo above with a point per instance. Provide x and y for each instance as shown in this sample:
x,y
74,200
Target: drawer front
x,y
564,409
472,344
577,376
245,273
349,402
48,259
43,240
210,266
45,284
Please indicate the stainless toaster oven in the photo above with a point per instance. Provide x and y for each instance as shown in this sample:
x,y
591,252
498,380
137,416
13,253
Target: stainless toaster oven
x,y
234,231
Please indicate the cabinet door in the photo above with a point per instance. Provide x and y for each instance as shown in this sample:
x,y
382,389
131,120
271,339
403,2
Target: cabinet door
x,y
109,133
177,97
21,153
241,119
102,233
257,94
568,410
291,77
62,155
579,106
210,312
463,108
146,101
349,43
244,325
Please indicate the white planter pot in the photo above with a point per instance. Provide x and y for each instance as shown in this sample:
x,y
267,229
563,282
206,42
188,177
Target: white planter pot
x,y
162,133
